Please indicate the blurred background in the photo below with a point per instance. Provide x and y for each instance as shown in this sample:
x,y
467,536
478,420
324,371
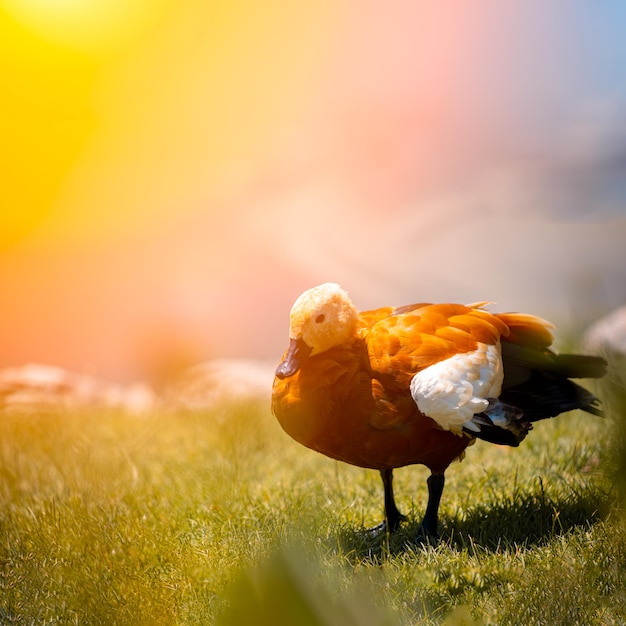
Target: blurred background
x,y
174,174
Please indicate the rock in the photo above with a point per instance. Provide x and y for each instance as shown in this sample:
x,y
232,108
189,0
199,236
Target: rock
x,y
209,384
607,336
36,387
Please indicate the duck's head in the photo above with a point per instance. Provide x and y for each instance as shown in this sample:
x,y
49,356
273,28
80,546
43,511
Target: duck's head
x,y
321,318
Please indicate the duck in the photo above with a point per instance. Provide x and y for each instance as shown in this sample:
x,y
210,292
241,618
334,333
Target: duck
x,y
417,384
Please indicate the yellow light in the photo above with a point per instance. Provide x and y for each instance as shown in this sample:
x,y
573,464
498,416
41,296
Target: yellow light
x,y
91,26
51,54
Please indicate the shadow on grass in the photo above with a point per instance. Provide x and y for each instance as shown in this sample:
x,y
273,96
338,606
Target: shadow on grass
x,y
524,521
527,521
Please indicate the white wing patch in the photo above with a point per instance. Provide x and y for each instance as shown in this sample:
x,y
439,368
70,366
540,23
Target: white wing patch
x,y
452,391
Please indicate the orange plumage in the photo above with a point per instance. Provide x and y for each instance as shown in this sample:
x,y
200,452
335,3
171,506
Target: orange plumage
x,y
416,384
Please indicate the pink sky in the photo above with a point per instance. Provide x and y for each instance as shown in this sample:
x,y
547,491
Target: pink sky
x,y
170,192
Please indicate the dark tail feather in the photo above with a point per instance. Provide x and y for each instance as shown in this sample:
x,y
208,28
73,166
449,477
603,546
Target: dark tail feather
x,y
537,381
578,366
509,419
536,387
545,395
521,361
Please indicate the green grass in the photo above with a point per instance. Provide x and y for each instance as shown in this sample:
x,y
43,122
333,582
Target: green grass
x,y
220,518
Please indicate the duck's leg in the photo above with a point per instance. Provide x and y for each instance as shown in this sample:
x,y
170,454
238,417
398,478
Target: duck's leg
x,y
428,527
393,517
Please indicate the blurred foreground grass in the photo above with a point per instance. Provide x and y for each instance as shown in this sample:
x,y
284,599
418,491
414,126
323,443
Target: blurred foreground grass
x,y
220,518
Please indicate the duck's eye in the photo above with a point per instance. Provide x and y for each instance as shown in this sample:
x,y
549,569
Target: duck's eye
x,y
320,318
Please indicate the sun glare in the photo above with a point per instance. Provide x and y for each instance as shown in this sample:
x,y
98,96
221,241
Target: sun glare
x,y
50,54
91,26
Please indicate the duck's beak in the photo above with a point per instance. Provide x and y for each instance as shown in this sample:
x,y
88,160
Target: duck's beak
x,y
297,352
